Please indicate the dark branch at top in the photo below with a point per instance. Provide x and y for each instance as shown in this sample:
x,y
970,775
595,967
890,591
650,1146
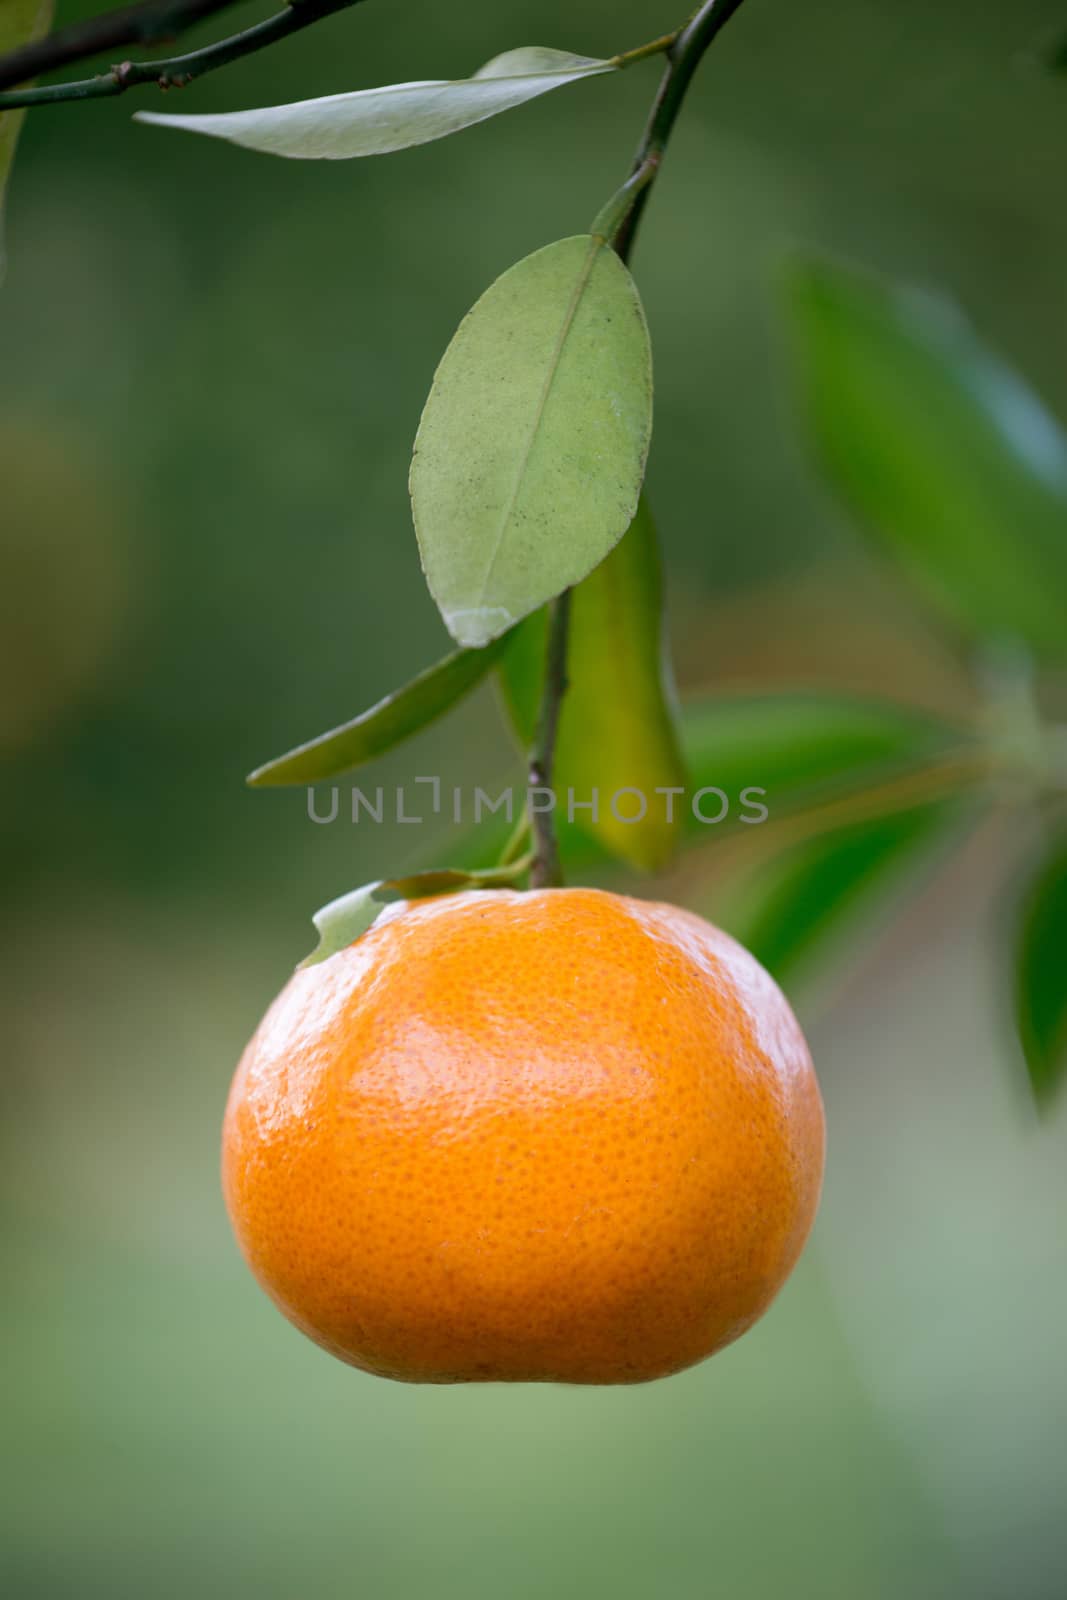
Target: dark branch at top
x,y
148,22
177,71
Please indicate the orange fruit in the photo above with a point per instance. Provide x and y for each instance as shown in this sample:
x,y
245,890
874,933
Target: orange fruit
x,y
559,1135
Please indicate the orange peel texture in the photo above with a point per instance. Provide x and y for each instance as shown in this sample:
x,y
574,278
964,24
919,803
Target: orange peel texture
x,y
561,1135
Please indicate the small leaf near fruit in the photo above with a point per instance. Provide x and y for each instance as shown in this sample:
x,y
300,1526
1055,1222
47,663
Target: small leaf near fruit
x,y
345,919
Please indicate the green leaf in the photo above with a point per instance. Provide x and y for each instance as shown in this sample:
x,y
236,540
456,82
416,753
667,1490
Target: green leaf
x,y
372,122
532,445
802,903
386,724
21,22
802,748
942,450
346,918
617,725
1041,975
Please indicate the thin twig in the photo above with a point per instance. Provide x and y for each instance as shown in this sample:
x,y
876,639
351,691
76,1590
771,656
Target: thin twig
x,y
684,51
545,872
684,55
149,22
177,71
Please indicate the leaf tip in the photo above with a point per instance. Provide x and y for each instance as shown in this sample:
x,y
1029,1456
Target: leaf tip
x,y
477,626
271,775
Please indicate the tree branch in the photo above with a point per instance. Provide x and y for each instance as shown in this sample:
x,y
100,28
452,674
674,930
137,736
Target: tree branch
x,y
176,71
148,22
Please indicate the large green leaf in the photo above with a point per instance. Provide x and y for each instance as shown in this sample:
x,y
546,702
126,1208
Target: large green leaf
x,y
531,449
372,122
801,748
21,21
386,724
796,907
942,450
1041,975
617,725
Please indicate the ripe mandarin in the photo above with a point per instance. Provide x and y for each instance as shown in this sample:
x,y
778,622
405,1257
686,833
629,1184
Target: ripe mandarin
x,y
560,1135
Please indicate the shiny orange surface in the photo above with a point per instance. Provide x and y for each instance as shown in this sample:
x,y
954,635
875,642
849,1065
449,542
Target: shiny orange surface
x,y
552,1135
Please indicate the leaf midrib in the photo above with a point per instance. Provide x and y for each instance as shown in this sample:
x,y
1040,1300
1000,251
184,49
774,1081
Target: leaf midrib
x,y
567,324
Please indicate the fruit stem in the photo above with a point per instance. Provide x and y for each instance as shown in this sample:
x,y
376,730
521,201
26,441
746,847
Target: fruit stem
x,y
684,55
621,216
545,872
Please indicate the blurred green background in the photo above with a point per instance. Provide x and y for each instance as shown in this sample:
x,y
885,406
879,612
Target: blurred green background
x,y
211,369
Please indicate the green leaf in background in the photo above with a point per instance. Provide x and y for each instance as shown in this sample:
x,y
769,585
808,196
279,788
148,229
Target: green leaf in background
x,y
350,915
1055,55
1041,975
940,448
531,450
617,723
792,909
21,22
803,747
386,724
372,122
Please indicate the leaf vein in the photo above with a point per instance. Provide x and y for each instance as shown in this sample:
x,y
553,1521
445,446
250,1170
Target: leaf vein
x,y
567,324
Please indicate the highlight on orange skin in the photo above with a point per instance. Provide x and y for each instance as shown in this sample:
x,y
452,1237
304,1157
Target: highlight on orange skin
x,y
561,1135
